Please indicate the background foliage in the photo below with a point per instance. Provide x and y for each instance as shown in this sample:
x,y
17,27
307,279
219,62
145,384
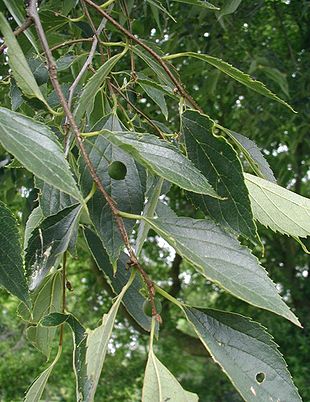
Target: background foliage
x,y
270,40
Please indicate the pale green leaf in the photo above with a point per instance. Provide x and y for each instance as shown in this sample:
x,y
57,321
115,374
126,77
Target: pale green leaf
x,y
278,208
161,158
246,353
233,72
47,300
97,345
222,259
18,63
37,148
33,221
219,162
160,384
87,98
35,391
12,276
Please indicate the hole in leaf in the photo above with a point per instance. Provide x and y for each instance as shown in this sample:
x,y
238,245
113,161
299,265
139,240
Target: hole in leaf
x,y
260,377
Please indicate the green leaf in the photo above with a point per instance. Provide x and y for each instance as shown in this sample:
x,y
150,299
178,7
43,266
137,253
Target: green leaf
x,y
159,6
162,159
17,11
52,200
160,384
152,196
127,193
35,392
229,8
199,3
37,148
222,259
233,72
97,344
18,63
12,276
33,222
83,383
87,98
48,241
132,300
47,300
218,161
246,353
157,95
278,208
253,154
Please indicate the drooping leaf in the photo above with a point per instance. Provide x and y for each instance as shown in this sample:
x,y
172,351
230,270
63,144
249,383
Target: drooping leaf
x,y
97,344
220,258
12,276
157,95
52,200
17,11
132,300
37,148
229,8
127,193
33,221
48,241
35,391
18,63
218,161
160,384
87,97
47,300
152,195
278,208
83,383
246,353
160,7
199,3
233,72
253,154
161,158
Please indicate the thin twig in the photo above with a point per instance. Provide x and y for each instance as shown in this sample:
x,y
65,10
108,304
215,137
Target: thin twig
x,y
137,110
71,42
178,85
75,83
25,25
33,13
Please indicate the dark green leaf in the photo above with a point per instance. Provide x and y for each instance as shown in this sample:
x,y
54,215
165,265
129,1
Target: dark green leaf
x,y
218,161
246,353
199,3
12,275
52,200
128,193
132,300
253,154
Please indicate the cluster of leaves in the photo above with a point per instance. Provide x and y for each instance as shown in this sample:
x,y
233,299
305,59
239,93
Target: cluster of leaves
x,y
195,154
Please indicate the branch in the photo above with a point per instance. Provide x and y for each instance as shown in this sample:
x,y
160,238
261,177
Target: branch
x,y
174,273
25,25
33,13
159,60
